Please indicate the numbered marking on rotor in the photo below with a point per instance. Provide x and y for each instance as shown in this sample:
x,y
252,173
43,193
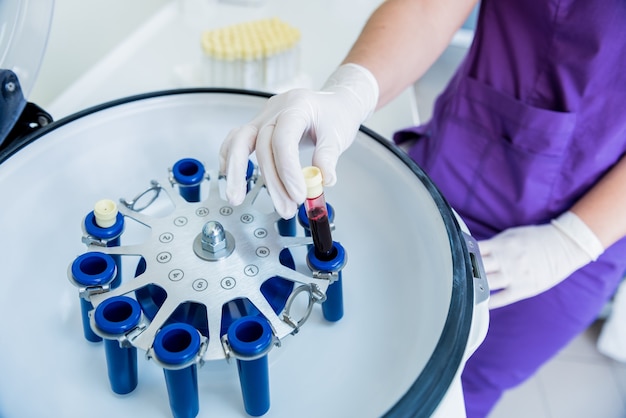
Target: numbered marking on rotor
x,y
180,221
166,237
226,210
260,233
164,257
200,285
251,270
176,275
262,252
246,218
202,212
228,283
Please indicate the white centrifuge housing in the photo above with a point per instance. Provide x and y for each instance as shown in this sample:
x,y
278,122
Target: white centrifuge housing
x,y
414,294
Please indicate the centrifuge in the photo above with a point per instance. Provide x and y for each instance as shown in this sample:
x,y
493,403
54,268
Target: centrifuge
x,y
111,324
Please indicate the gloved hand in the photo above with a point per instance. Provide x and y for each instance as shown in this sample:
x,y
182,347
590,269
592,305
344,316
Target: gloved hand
x,y
524,261
331,117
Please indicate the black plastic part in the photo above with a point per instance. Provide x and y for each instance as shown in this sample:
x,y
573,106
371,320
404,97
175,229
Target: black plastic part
x,y
18,118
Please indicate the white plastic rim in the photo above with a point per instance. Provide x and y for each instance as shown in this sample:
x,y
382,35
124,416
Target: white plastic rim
x,y
407,286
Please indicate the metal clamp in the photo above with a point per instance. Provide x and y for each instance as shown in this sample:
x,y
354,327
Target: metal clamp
x,y
174,182
88,291
229,353
315,296
125,340
131,204
331,276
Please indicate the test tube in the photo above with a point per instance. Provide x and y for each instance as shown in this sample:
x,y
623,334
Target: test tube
x,y
107,224
326,255
91,269
252,337
317,212
115,317
303,219
188,173
176,346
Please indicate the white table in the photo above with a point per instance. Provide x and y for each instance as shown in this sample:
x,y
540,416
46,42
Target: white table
x,y
168,45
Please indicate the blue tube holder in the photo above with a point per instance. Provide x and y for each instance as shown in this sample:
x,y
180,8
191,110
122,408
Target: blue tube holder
x,y
176,347
91,270
110,235
250,338
332,307
287,227
188,173
115,317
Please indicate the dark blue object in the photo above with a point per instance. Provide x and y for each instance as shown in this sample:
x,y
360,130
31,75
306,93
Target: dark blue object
x,y
174,345
116,316
276,291
112,237
287,227
252,336
332,308
92,269
249,174
189,173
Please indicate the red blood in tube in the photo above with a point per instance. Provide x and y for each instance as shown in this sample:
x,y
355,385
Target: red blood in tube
x,y
320,231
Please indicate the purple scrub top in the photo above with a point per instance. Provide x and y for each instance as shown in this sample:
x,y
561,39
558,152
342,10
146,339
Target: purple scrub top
x,y
533,118
534,115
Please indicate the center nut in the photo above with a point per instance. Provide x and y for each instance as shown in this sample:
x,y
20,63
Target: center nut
x,y
213,243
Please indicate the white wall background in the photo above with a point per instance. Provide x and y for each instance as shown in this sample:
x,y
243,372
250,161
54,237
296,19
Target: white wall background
x,y
82,32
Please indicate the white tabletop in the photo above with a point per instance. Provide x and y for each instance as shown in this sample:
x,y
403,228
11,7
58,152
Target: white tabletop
x,y
162,53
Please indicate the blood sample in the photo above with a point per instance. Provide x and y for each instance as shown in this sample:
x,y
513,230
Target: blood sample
x,y
317,212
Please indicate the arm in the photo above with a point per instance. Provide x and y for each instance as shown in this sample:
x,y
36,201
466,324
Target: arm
x,y
403,38
603,208
524,261
399,42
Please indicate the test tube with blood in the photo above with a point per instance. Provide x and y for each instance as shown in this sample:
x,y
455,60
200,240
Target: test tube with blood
x,y
317,212
327,256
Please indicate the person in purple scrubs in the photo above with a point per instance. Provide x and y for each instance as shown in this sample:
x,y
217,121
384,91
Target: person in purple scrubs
x,y
526,143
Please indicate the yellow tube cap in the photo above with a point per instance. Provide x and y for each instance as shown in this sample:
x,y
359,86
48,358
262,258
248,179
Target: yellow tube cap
x,y
314,182
105,212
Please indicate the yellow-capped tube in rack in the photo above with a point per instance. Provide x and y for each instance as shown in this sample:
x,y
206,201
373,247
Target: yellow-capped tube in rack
x,y
105,213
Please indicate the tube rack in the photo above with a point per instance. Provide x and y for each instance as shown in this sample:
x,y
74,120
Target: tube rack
x,y
209,276
259,55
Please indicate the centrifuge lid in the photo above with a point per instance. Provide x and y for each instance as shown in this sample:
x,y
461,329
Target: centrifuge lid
x,y
24,28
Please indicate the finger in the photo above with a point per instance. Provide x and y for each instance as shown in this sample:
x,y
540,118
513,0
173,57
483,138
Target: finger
x,y
486,247
290,128
234,155
325,157
490,263
497,280
265,157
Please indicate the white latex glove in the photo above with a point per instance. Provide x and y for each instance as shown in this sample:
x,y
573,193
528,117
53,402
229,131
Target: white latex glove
x,y
524,261
331,117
